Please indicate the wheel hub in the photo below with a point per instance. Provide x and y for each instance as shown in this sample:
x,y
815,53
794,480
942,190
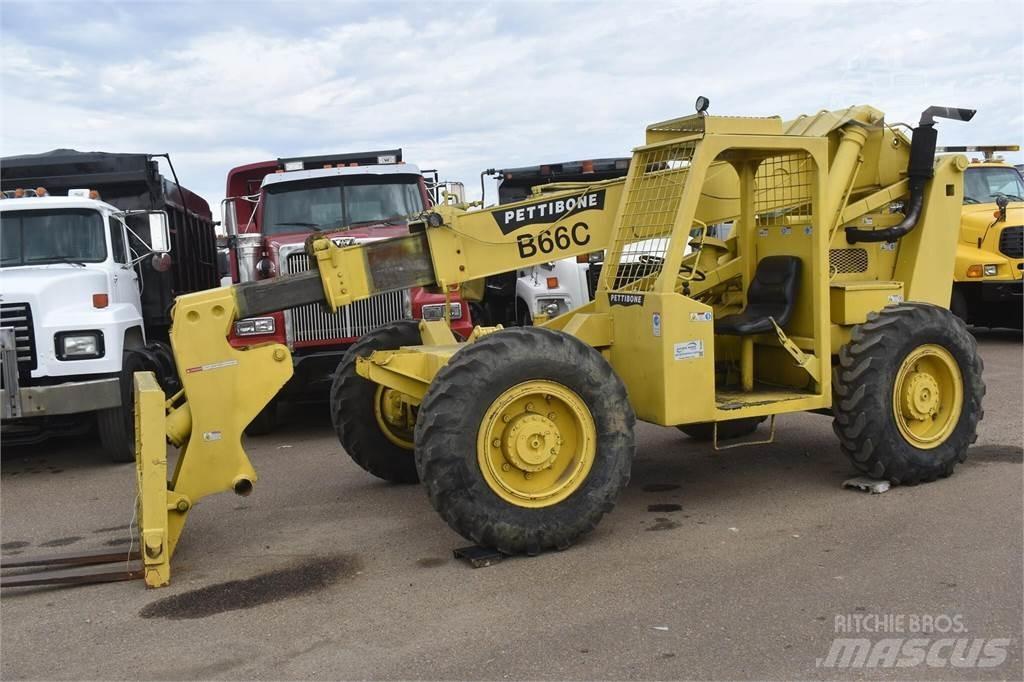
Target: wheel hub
x,y
921,396
531,442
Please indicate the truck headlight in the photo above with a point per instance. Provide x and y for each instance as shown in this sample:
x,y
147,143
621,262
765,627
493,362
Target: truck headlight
x,y
83,345
549,306
991,270
255,326
435,311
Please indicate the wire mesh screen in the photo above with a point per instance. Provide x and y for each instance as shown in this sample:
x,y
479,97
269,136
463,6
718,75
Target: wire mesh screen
x,y
651,201
844,261
782,190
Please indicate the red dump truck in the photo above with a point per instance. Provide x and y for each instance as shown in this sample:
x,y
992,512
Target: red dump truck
x,y
272,207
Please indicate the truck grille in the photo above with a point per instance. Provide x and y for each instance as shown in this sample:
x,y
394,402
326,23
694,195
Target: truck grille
x,y
314,323
1011,242
19,316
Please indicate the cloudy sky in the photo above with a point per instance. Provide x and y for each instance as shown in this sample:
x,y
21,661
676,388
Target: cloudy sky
x,y
463,86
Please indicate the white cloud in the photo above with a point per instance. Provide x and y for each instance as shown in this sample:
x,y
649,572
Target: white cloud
x,y
463,87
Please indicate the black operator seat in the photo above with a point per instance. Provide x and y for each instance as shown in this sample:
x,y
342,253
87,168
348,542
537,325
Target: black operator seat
x,y
772,294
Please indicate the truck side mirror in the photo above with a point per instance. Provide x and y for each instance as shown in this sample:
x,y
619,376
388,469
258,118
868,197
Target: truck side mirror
x,y
229,216
159,234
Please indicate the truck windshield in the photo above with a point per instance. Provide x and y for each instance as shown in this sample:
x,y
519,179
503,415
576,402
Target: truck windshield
x,y
337,202
68,235
982,185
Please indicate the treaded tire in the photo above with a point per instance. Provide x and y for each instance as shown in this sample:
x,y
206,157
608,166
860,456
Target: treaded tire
x,y
734,428
265,420
117,424
863,384
352,410
453,410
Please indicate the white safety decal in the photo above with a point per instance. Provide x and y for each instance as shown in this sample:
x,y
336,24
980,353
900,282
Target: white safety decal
x,y
211,366
689,350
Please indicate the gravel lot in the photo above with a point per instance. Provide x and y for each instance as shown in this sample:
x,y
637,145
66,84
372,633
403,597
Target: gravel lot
x,y
733,565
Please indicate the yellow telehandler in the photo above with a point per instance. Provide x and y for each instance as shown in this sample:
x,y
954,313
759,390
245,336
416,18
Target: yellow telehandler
x,y
830,295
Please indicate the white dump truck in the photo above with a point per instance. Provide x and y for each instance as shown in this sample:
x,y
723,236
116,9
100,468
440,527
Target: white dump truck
x,y
88,276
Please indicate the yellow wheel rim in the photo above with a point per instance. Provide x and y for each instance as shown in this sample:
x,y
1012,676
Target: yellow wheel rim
x,y
394,417
928,396
536,444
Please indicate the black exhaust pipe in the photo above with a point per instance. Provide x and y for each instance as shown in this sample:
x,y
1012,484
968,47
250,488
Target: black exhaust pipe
x,y
920,170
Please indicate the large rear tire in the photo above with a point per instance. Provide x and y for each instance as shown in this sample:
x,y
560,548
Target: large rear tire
x,y
524,440
373,424
907,394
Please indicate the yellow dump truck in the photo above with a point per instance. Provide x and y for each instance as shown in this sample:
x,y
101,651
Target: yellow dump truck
x,y
990,255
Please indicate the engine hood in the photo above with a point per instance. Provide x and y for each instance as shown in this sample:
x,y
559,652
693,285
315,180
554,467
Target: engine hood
x,y
357,234
57,286
977,218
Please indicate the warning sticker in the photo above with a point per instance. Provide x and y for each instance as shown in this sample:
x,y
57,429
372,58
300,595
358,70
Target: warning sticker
x,y
689,350
786,230
895,298
209,436
656,324
763,232
211,366
701,317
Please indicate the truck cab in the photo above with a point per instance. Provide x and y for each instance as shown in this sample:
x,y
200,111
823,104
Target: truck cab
x,y
273,207
532,295
70,307
990,252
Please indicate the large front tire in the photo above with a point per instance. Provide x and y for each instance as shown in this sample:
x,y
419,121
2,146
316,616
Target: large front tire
x,y
366,416
525,440
907,394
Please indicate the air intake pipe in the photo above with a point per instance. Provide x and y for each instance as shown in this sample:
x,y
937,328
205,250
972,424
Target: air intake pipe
x,y
920,169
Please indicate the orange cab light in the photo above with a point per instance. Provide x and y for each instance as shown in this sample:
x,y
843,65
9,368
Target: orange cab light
x,y
41,192
100,300
552,282
328,165
587,167
353,164
93,194
583,258
997,214
19,193
975,271
279,170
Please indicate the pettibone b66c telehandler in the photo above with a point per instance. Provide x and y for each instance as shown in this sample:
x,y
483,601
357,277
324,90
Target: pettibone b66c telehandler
x,y
830,295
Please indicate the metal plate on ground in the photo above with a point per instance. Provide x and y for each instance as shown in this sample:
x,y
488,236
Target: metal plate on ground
x,y
477,556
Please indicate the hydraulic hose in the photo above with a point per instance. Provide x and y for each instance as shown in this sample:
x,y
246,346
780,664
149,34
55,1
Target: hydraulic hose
x,y
920,169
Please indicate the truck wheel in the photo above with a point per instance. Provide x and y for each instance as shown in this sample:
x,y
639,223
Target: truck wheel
x,y
265,420
907,394
525,440
373,424
734,428
958,304
117,425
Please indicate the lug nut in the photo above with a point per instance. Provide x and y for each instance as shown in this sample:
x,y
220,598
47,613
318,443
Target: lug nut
x,y
496,443
529,407
506,419
506,467
551,416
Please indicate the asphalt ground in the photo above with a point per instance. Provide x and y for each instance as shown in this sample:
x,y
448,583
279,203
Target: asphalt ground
x,y
744,564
